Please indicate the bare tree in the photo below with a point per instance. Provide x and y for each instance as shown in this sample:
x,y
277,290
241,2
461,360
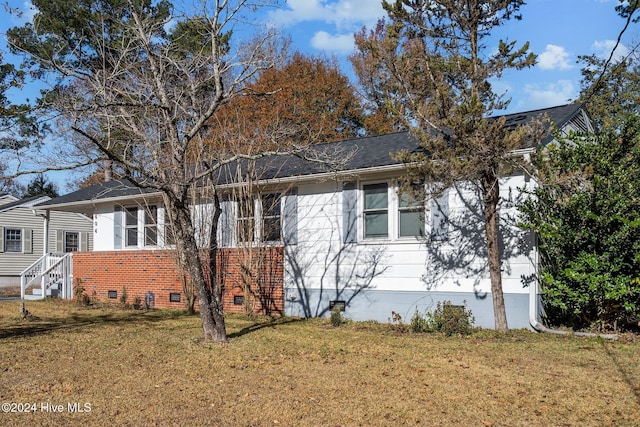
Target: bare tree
x,y
143,90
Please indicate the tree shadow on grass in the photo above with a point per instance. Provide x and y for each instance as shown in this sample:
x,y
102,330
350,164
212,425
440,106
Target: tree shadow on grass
x,y
626,377
272,323
39,325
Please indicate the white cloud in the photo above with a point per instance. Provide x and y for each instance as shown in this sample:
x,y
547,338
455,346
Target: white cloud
x,y
549,95
347,14
339,19
603,49
554,58
29,10
339,43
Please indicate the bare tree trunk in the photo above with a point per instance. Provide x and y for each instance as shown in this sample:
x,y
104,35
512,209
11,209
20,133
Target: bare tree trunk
x,y
491,196
208,293
217,304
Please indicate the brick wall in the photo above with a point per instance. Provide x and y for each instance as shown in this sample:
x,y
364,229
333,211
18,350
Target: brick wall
x,y
155,270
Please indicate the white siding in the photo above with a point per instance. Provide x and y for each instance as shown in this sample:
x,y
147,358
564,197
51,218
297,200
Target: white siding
x,y
322,261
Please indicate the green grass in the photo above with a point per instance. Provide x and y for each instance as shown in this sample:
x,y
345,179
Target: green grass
x,y
137,368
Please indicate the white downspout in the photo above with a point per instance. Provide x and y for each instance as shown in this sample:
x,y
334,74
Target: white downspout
x,y
45,247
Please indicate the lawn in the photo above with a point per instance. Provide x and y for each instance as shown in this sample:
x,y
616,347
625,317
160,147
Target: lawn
x,y
137,368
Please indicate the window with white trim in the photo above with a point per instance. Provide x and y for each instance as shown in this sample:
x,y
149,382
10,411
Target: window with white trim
x,y
141,226
411,219
245,223
397,215
131,227
151,226
71,241
271,215
376,210
259,219
12,240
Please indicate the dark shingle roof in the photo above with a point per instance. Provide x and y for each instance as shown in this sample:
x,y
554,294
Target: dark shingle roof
x,y
361,153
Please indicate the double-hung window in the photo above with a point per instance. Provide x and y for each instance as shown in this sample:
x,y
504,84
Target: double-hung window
x,y
271,224
131,227
411,220
259,219
245,220
397,215
151,226
376,210
71,241
12,240
141,226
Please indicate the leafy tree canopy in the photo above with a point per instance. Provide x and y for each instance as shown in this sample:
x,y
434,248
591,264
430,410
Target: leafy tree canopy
x,y
587,216
305,101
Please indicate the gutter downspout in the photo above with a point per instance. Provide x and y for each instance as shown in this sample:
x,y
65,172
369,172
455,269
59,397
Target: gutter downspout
x,y
539,327
45,231
45,247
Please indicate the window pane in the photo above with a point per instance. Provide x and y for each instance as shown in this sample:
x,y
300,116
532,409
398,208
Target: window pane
x,y
132,216
245,230
150,216
169,235
411,223
271,231
150,236
407,200
71,242
132,237
271,205
271,227
375,196
13,240
376,224
150,226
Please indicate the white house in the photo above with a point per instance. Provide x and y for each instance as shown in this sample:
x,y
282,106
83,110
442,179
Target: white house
x,y
327,236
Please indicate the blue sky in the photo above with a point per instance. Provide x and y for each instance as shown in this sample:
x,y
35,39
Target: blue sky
x,y
558,31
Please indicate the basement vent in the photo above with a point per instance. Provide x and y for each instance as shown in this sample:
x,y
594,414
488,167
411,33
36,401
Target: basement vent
x,y
238,299
112,294
339,304
174,297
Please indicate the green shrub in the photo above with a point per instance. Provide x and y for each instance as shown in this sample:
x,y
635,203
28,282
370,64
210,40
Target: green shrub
x,y
419,324
449,319
336,316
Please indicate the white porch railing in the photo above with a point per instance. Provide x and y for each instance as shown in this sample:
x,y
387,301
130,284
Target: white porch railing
x,y
51,275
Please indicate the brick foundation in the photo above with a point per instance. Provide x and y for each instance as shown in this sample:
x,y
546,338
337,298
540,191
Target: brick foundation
x,y
142,271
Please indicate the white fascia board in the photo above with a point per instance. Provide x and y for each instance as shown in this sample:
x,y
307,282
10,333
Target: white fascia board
x,y
69,206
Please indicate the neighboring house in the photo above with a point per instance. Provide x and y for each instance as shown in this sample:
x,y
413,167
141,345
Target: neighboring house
x,y
22,241
302,237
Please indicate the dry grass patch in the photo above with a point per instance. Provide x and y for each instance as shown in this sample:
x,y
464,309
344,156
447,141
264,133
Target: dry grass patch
x,y
139,368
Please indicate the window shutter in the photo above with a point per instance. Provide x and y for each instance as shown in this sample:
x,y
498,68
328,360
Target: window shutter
x,y
290,214
84,241
440,217
59,241
225,228
1,239
117,227
27,241
349,212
